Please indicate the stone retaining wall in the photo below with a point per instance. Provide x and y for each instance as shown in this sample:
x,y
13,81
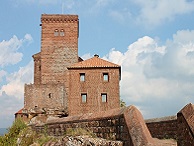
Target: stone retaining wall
x,y
186,126
126,125
180,127
163,128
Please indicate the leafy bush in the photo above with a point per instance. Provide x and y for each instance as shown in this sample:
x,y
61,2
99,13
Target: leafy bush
x,y
10,138
26,137
44,139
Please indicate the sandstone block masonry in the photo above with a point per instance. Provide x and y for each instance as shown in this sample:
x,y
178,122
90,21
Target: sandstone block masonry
x,y
179,127
126,125
108,125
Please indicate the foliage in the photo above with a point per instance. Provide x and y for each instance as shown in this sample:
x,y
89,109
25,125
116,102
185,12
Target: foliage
x,y
43,137
122,103
10,138
26,137
20,134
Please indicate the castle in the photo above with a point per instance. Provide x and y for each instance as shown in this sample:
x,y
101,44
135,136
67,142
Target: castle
x,y
88,93
64,83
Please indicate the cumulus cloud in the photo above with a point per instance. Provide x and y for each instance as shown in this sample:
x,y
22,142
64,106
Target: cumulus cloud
x,y
12,93
10,50
15,81
157,12
12,87
159,80
9,105
28,38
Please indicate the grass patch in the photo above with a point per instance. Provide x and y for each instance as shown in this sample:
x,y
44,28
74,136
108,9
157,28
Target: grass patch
x,y
78,131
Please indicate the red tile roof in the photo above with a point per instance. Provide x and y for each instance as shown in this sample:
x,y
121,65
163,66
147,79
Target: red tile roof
x,y
20,111
93,63
37,55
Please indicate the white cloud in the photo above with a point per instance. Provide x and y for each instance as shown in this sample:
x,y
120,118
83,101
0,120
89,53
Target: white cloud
x,y
9,106
28,38
12,90
10,50
157,79
12,93
16,81
86,56
156,12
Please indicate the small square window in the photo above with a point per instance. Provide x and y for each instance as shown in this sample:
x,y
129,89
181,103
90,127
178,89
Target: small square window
x,y
84,98
104,97
82,77
105,76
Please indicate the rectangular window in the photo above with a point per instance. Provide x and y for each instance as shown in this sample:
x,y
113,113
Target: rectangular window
x,y
84,98
82,77
104,97
105,76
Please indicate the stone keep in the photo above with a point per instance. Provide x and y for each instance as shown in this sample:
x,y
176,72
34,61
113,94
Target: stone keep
x,y
57,71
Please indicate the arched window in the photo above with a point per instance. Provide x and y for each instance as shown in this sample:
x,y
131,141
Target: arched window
x,y
56,32
62,33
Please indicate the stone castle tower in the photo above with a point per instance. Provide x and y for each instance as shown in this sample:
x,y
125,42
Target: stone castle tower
x,y
64,84
59,47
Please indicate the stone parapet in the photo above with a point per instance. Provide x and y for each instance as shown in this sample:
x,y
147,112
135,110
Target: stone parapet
x,y
58,18
163,128
186,126
126,125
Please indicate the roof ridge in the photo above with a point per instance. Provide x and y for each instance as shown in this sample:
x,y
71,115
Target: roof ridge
x,y
94,62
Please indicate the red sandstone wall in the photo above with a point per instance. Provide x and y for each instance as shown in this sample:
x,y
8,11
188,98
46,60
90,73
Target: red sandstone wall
x,y
186,126
37,68
126,125
163,128
58,52
38,95
180,128
93,86
109,125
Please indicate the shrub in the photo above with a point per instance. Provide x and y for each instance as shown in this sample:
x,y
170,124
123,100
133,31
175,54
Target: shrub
x,y
10,138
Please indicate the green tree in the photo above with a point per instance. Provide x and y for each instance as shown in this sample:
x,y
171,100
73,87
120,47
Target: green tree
x,y
122,103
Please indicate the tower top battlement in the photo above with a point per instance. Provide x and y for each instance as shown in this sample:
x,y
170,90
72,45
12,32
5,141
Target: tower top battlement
x,y
59,18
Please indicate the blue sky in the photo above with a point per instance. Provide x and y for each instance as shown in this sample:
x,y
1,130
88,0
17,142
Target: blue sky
x,y
153,41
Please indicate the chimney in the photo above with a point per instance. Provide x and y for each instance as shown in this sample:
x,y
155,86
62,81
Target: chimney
x,y
96,55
